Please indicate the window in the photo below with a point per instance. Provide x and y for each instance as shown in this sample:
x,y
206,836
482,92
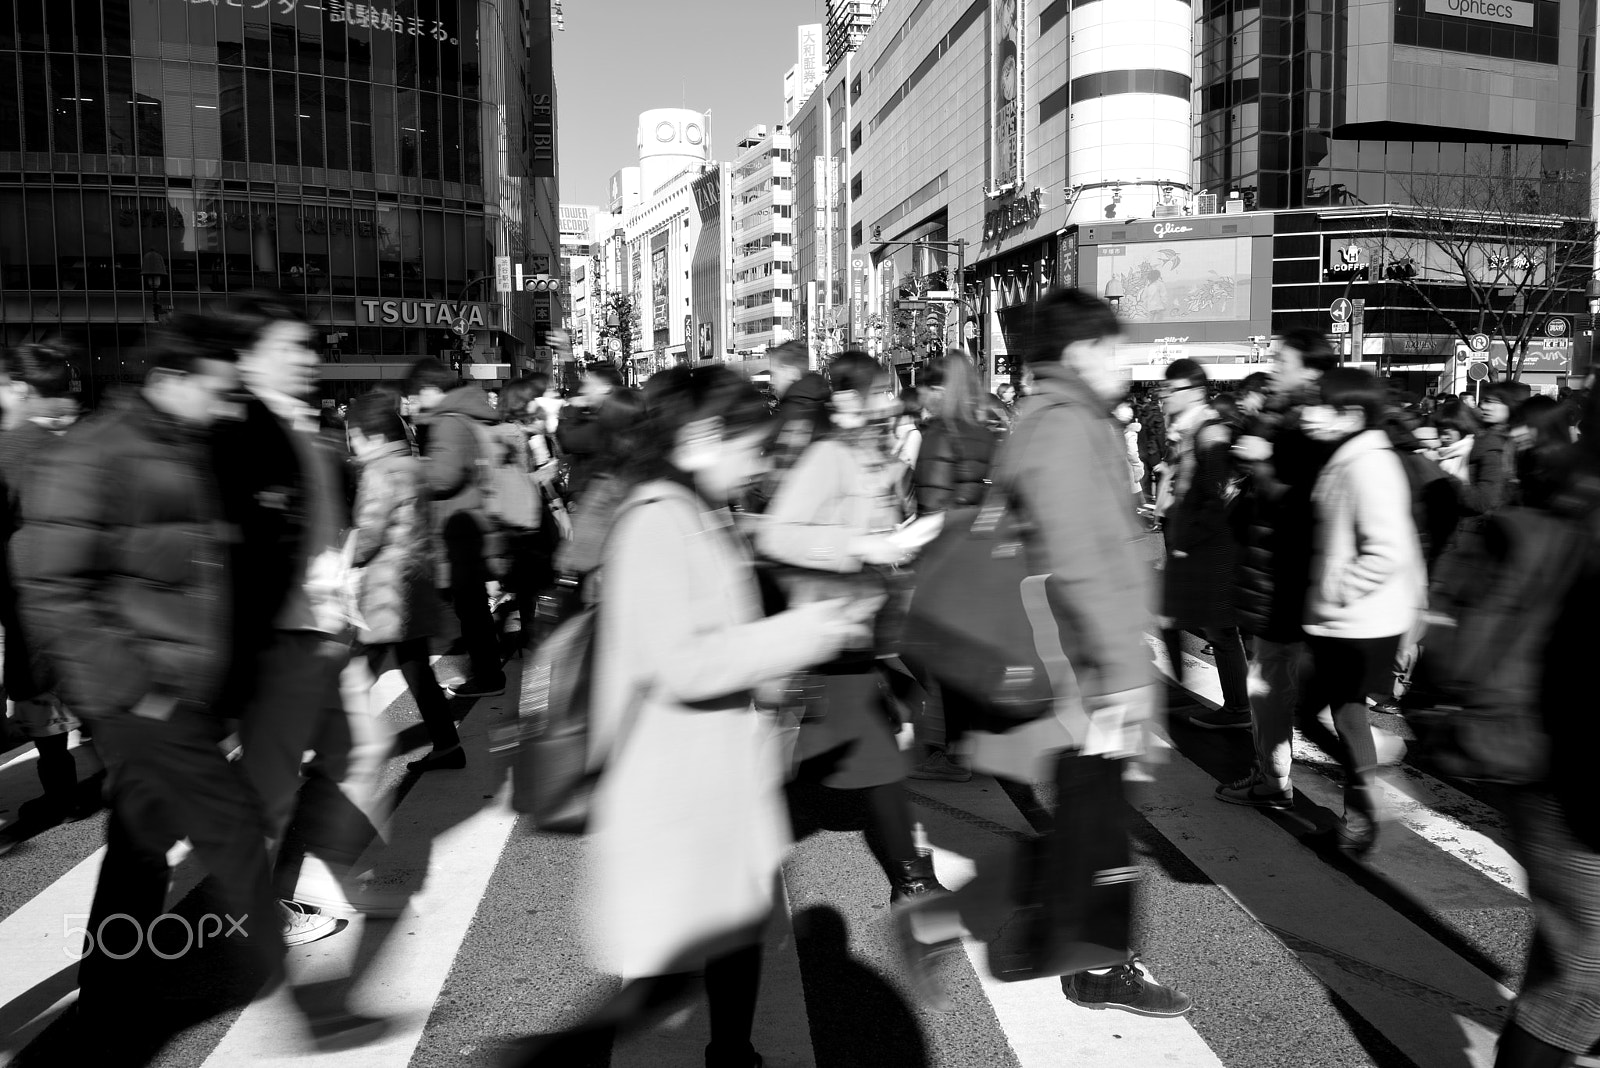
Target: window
x,y
855,138
855,235
855,189
855,89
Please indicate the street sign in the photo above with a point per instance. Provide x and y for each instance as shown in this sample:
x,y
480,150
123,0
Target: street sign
x,y
1478,371
1341,326
1478,342
502,274
1556,344
1557,326
912,305
459,328
1342,311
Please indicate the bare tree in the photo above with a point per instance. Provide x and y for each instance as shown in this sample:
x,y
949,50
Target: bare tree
x,y
1495,252
625,331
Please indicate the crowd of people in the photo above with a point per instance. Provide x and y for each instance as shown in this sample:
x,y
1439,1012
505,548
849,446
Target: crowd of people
x,y
206,576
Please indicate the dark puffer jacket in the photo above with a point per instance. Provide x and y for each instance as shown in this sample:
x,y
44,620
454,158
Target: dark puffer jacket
x,y
1273,524
451,452
20,450
953,465
121,565
1492,475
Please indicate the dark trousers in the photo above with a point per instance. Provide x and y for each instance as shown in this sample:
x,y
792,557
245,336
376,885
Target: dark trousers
x,y
467,552
1344,672
531,571
165,781
411,657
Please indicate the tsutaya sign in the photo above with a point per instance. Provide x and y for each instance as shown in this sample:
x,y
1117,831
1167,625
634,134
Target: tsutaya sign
x,y
1503,12
420,313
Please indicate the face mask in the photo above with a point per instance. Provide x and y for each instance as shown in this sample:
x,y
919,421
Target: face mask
x,y
1323,423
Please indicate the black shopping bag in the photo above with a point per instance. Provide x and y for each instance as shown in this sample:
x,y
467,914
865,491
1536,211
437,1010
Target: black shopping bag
x,y
1074,890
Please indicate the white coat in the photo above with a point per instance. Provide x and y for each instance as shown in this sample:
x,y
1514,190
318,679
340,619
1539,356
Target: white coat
x,y
688,824
1368,579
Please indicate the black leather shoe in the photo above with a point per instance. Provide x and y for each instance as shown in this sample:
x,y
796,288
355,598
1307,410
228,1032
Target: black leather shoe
x,y
453,759
1125,988
914,878
739,1058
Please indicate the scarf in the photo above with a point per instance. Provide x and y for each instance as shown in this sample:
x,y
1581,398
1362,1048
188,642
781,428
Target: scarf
x,y
1453,459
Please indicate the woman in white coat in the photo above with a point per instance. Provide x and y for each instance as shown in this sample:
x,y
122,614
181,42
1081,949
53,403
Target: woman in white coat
x,y
688,824
1368,579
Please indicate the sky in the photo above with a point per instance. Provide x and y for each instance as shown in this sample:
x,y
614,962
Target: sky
x,y
617,58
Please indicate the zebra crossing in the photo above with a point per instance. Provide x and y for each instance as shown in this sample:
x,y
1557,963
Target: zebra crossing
x,y
1292,953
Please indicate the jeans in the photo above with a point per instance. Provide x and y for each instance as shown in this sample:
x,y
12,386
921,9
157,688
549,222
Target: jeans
x,y
1275,692
1233,663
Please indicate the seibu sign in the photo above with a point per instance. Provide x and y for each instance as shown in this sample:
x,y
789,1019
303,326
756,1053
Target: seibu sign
x,y
1501,12
420,313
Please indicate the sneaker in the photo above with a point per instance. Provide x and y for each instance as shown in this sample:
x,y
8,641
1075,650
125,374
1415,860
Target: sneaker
x,y
1127,988
302,924
1222,719
1387,705
942,767
480,687
1255,792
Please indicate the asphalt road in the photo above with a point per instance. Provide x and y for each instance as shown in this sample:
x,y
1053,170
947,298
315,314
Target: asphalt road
x,y
1294,955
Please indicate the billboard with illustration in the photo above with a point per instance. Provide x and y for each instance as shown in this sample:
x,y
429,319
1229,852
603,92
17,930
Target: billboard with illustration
x,y
1006,57
1182,281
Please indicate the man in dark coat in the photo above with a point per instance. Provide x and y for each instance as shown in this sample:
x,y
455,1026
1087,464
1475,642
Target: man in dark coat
x,y
581,433
124,592
1198,581
452,416
43,378
1274,569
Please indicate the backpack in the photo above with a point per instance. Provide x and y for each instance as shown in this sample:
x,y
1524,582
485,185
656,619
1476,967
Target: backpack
x,y
547,749
511,499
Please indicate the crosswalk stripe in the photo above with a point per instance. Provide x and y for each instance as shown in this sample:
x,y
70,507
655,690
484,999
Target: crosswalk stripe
x,y
443,838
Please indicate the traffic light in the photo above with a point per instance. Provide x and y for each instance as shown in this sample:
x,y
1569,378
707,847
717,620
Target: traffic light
x,y
542,283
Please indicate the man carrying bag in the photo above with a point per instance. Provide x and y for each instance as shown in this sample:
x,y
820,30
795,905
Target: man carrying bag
x,y
1052,576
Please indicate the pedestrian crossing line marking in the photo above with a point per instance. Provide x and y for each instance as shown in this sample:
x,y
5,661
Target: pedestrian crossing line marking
x,y
1287,888
1428,819
1045,1030
1400,984
35,947
405,979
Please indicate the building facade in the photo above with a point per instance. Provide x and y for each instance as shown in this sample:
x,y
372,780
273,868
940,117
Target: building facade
x,y
156,157
763,238
1364,102
801,79
579,223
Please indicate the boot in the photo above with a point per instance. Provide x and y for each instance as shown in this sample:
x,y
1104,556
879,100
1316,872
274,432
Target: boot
x,y
1358,831
914,878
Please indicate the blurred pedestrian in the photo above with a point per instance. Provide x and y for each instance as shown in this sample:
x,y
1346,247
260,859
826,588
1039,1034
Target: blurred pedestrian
x,y
1274,569
951,480
125,594
582,433
1492,466
692,792
532,553
1368,580
1201,552
41,383
393,561
799,419
1457,424
838,514
1064,467
451,414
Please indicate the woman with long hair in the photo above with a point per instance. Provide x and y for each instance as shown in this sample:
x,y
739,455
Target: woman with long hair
x,y
688,826
838,514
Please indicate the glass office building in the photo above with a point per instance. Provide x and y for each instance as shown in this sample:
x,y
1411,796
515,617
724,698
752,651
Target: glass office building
x,y
156,155
1309,103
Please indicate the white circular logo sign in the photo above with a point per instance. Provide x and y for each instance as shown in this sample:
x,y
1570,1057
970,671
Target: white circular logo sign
x,y
1556,327
665,131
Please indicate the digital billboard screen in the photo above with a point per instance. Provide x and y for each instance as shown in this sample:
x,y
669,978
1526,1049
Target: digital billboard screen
x,y
1206,280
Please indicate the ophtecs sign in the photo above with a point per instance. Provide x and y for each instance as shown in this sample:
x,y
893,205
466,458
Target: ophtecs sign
x,y
1502,12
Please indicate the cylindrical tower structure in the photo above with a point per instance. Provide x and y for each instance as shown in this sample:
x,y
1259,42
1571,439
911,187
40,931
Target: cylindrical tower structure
x,y
1130,137
670,139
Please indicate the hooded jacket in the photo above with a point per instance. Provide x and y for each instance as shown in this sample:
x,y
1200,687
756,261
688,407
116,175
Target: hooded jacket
x,y
450,454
